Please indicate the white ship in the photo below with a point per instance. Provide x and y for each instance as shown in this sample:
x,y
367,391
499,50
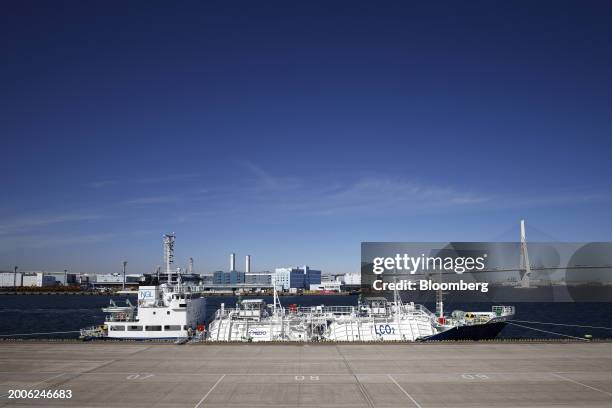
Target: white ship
x,y
167,311
377,319
254,320
374,319
164,312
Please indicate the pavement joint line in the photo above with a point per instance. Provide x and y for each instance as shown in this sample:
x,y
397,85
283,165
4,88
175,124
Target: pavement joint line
x,y
39,382
209,391
73,376
584,385
89,372
362,389
404,391
140,351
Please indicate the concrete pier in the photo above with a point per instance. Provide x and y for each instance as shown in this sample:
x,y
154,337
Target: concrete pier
x,y
312,375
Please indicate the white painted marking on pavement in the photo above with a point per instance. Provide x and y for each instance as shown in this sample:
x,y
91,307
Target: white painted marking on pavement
x,y
579,383
209,391
404,391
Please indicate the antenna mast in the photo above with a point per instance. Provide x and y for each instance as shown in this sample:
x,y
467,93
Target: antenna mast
x,y
124,265
440,296
169,254
277,307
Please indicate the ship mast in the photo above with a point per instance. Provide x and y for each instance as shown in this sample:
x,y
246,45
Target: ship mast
x,y
277,302
169,254
439,295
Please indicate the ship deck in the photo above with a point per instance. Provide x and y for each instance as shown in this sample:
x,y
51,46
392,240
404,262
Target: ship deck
x,y
104,374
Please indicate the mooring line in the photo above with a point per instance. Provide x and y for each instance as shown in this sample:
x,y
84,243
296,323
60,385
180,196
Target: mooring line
x,y
549,332
35,334
562,324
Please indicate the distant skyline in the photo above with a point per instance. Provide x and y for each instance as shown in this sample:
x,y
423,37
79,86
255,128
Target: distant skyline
x,y
294,131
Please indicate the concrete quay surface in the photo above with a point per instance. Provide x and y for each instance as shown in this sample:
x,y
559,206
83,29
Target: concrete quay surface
x,y
309,375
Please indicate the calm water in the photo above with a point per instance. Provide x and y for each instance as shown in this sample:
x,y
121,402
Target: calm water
x,y
56,313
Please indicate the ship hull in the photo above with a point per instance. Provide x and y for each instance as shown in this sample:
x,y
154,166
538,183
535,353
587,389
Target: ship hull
x,y
486,331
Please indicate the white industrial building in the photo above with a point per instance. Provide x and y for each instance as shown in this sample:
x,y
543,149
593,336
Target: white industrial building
x,y
30,279
281,278
327,285
117,279
38,279
11,279
351,278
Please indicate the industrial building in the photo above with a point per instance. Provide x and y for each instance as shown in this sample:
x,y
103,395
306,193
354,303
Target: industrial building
x,y
112,279
228,278
296,278
287,279
235,277
328,286
28,279
351,278
11,279
258,278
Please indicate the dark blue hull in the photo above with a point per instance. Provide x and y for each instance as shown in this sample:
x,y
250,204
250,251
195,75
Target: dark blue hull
x,y
485,331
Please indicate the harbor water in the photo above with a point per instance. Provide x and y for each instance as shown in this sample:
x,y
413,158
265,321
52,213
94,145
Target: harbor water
x,y
50,315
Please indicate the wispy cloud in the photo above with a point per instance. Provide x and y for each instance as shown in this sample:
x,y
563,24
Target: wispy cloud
x,y
382,194
264,180
154,200
371,195
39,241
145,180
264,192
103,183
28,223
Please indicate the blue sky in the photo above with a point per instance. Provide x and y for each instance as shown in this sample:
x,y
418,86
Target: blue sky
x,y
292,131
